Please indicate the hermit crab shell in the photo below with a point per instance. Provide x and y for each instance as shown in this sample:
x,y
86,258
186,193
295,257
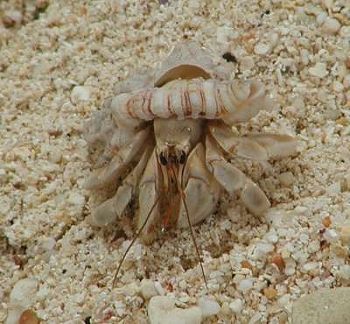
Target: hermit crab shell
x,y
188,60
188,84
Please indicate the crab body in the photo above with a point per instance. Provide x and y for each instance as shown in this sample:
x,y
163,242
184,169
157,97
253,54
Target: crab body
x,y
173,127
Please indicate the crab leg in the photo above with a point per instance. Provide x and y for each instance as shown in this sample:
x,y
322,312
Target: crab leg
x,y
201,189
232,179
110,173
103,128
112,208
256,147
148,195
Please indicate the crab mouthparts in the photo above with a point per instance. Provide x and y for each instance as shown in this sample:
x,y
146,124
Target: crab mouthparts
x,y
171,198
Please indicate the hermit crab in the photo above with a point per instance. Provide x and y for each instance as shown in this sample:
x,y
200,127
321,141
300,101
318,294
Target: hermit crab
x,y
165,141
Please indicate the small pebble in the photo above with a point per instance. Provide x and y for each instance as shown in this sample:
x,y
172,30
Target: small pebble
x,y
331,26
246,63
290,266
313,247
55,155
22,296
246,265
327,221
76,198
284,300
286,178
262,49
309,266
148,289
23,292
272,237
255,319
321,17
120,308
80,93
45,245
162,309
278,260
208,306
337,86
245,285
330,235
319,70
236,306
270,292
28,317
261,250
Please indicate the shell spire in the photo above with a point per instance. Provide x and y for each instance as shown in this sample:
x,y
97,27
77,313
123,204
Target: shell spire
x,y
187,60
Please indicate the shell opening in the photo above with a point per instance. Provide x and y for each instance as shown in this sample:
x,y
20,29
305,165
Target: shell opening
x,y
182,72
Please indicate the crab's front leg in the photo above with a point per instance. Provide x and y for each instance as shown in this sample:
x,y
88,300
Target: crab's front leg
x,y
232,179
109,210
149,195
259,147
108,174
201,190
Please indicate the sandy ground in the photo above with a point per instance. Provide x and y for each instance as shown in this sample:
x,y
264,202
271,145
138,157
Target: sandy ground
x,y
255,268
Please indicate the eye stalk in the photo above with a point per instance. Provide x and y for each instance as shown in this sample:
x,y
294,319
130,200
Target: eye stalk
x,y
182,158
163,159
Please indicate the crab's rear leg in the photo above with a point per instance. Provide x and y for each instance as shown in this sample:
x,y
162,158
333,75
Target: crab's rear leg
x,y
201,190
108,211
232,179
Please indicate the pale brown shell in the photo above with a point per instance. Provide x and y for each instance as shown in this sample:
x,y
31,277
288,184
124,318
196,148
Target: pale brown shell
x,y
230,101
188,60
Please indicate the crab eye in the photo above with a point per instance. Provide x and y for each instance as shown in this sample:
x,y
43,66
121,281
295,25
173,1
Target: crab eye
x,y
182,157
162,159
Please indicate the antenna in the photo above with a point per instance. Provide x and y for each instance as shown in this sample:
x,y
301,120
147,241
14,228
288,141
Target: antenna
x,y
183,198
133,241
